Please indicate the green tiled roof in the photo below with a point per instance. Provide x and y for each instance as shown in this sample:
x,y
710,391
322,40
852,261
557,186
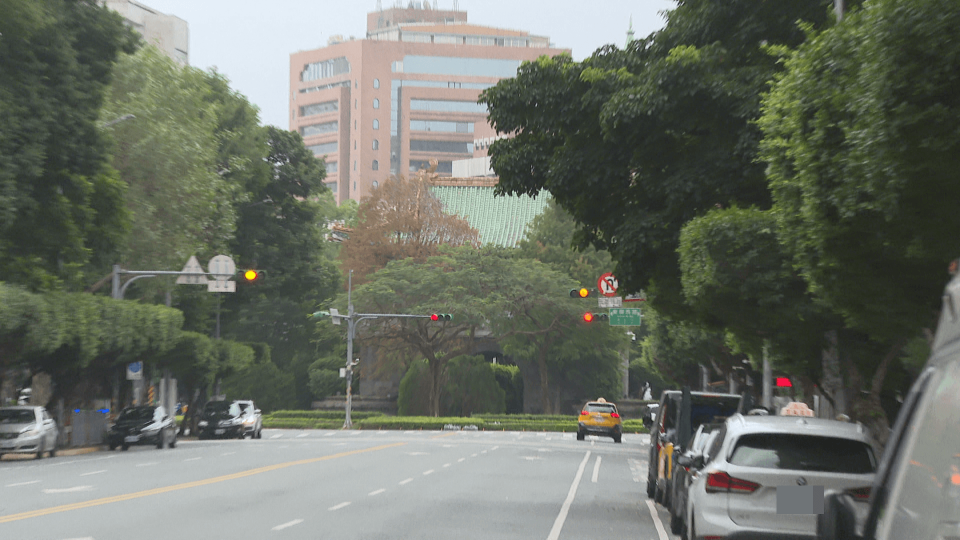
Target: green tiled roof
x,y
502,221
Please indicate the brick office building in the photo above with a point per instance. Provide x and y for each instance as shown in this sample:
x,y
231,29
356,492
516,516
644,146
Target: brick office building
x,y
406,94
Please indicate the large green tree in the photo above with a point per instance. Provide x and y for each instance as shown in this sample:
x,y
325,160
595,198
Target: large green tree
x,y
636,143
61,204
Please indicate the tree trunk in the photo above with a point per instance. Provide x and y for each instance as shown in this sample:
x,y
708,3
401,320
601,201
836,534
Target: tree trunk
x,y
436,384
832,374
544,382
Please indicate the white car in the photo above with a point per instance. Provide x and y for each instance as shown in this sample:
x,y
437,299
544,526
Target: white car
x,y
757,459
27,430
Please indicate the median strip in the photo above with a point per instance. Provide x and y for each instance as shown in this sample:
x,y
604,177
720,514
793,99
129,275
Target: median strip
x,y
177,487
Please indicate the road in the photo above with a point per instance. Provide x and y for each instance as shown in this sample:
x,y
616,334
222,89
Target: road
x,y
322,484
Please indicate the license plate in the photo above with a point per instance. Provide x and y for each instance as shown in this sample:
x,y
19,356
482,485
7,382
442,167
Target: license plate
x,y
218,432
131,438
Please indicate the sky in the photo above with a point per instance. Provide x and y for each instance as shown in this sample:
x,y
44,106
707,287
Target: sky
x,y
250,41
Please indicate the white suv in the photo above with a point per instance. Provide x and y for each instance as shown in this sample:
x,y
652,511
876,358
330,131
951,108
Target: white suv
x,y
736,494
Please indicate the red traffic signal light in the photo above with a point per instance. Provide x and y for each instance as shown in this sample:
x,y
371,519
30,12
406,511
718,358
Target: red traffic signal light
x,y
251,275
783,382
441,317
588,317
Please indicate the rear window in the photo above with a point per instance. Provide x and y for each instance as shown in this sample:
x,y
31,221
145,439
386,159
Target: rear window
x,y
600,408
803,453
703,409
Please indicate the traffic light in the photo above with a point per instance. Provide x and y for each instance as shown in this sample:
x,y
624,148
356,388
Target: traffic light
x,y
583,292
590,317
441,317
252,275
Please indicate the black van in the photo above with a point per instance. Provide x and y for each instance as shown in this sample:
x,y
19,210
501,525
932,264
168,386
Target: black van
x,y
916,492
675,424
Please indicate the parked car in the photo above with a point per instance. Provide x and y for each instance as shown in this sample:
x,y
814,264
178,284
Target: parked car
x,y
143,425
686,470
675,423
27,430
252,419
221,419
600,418
755,459
916,491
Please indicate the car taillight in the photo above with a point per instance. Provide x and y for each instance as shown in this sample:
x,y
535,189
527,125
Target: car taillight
x,y
614,415
860,494
583,413
721,481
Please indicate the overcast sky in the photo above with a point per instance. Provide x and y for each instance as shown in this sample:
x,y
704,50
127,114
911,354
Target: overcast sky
x,y
250,41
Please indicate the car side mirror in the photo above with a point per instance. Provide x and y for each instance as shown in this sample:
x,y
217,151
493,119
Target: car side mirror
x,y
839,518
256,411
685,461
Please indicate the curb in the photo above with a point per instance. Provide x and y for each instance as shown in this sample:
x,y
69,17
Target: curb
x,y
60,452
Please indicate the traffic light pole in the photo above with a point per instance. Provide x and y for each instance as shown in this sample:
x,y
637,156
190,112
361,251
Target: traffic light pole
x,y
353,318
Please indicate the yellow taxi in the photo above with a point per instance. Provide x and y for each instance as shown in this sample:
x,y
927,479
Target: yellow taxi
x,y
600,418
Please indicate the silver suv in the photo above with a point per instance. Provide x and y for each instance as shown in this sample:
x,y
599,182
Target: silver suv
x,y
916,494
759,467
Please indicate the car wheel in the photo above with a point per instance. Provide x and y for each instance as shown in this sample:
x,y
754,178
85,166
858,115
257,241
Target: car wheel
x,y
40,451
617,438
651,486
173,443
676,522
112,447
580,435
260,433
657,493
53,451
691,530
125,447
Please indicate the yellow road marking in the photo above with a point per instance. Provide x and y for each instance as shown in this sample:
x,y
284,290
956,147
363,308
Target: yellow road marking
x,y
187,485
444,435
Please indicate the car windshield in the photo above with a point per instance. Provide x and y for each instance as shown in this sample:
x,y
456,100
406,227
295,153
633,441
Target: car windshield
x,y
221,408
803,453
137,413
16,416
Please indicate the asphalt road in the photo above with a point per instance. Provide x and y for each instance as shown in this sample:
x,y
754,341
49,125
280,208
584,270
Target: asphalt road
x,y
319,484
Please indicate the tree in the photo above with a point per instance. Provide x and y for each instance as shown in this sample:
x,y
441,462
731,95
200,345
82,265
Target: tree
x,y
60,201
178,203
636,143
399,219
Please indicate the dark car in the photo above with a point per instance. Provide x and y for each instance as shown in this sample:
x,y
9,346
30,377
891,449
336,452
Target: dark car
x,y
671,431
145,424
252,419
688,466
221,419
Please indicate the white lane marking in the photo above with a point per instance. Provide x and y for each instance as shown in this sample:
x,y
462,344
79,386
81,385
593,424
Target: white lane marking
x,y
287,524
544,450
593,442
532,458
418,454
339,506
596,471
355,433
407,481
228,453
425,473
473,455
446,464
483,451
84,538
69,490
193,459
494,448
277,436
331,434
656,520
461,460
377,492
24,483
302,435
636,468
93,472
565,509
148,464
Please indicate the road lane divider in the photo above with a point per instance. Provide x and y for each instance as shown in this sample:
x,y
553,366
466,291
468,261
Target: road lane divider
x,y
565,509
377,492
596,471
661,531
283,526
186,485
24,483
93,473
339,506
407,481
425,473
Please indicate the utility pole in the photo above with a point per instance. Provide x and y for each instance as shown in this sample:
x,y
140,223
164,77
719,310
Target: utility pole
x,y
838,9
353,318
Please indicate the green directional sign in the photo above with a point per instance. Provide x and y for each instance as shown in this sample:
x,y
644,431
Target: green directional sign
x,y
624,317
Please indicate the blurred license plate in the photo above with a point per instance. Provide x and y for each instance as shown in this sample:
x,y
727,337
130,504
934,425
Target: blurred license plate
x,y
218,432
131,438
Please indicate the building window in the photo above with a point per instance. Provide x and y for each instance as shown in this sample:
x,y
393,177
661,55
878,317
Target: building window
x,y
354,144
325,69
376,124
376,165
354,103
354,123
354,185
447,106
376,184
376,144
376,83
332,186
317,129
319,108
446,147
354,168
437,125
323,149
443,167
331,167
376,103
449,65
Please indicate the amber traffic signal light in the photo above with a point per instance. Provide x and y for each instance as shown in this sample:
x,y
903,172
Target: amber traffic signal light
x,y
252,275
582,292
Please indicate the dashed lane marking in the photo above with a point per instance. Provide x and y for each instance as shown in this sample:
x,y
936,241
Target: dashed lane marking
x,y
596,471
74,489
287,524
377,492
24,483
339,506
425,473
407,481
91,473
565,509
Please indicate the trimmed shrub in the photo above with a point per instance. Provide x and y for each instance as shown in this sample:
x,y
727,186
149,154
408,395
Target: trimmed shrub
x,y
509,378
414,394
471,386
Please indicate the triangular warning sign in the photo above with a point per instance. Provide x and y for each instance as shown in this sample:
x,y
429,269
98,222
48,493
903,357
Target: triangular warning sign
x,y
192,267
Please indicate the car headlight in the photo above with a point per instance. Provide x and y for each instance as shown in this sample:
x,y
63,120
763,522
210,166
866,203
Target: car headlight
x,y
250,421
203,423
